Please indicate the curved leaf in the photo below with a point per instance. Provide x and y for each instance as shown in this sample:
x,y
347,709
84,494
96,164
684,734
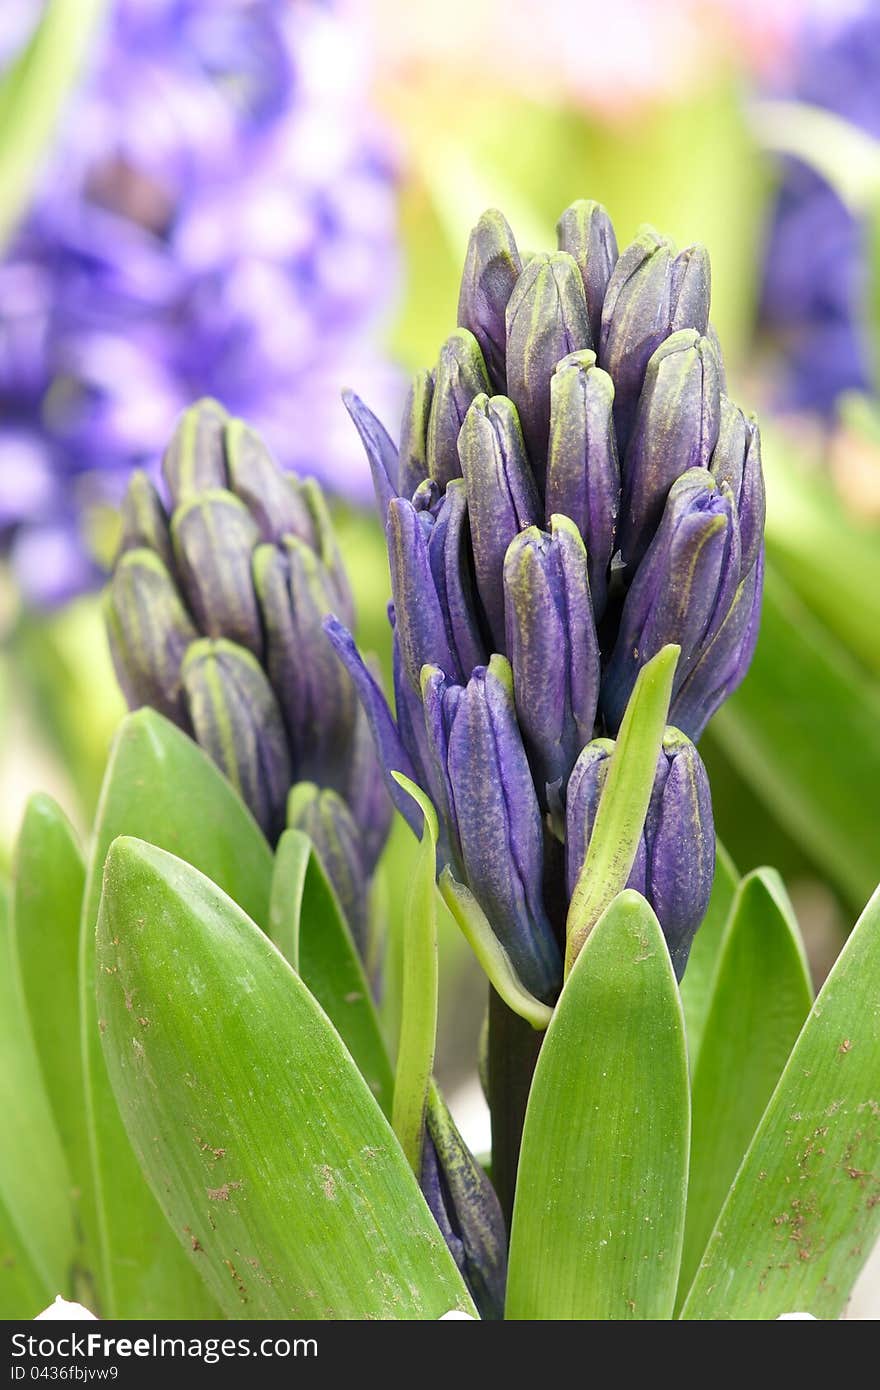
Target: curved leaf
x,y
260,1138
804,1210
761,996
600,1198
696,987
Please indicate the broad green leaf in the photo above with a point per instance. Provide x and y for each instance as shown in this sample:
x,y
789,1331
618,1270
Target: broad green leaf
x,y
804,1211
48,885
272,1160
420,984
804,731
760,998
35,1185
623,804
308,927
161,787
697,983
599,1212
23,1293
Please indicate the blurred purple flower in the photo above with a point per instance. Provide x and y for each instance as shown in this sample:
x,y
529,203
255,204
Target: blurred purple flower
x,y
816,270
216,217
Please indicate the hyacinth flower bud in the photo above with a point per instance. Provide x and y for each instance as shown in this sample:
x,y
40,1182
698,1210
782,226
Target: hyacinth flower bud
x,y
583,476
682,591
149,631
236,719
316,697
652,292
144,523
676,428
445,522
725,658
326,546
195,460
365,791
552,648
412,467
460,375
675,863
274,500
502,497
327,821
737,462
214,536
440,700
463,1202
421,626
380,449
491,268
585,231
498,823
546,320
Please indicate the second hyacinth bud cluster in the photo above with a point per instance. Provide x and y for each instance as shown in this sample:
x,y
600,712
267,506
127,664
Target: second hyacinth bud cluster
x,y
573,490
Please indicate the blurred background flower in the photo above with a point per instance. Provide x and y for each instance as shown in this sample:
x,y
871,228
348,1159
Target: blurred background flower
x,y
215,216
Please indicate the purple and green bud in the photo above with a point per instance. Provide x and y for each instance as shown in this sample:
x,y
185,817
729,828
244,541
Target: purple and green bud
x,y
586,232
502,499
412,466
462,1201
675,861
553,650
460,375
214,536
583,475
235,717
682,592
676,428
492,267
149,631
446,524
736,461
326,819
546,320
651,293
144,521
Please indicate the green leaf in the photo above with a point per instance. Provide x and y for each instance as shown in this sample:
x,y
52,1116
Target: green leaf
x,y
804,1211
623,804
48,884
760,998
420,984
270,1156
36,1217
697,983
804,731
600,1198
308,927
161,787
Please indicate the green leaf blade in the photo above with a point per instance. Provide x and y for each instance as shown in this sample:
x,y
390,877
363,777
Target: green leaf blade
x,y
161,787
761,996
696,987
275,1165
804,1209
599,1212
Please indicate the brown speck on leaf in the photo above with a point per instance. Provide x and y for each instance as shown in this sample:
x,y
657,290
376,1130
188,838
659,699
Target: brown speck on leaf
x,y
195,1243
329,1183
129,998
102,1025
144,1022
221,1194
845,1045
237,1280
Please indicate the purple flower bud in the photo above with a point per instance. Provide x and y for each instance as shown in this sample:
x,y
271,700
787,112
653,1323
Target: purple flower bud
x,y
725,659
675,862
195,460
552,647
583,476
274,499
546,320
440,701
459,377
314,692
445,520
491,268
502,498
421,626
327,821
380,450
214,536
652,292
413,460
236,719
682,591
676,428
737,462
499,825
149,630
326,547
585,231
464,1205
365,790
144,522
